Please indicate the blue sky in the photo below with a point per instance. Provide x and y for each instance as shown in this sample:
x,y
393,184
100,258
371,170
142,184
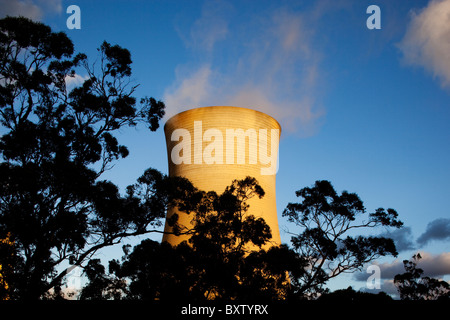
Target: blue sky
x,y
366,109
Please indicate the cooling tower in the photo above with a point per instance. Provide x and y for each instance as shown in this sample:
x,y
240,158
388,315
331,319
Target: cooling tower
x,y
212,146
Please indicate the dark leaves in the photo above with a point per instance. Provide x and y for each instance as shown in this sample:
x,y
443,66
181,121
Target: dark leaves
x,y
55,146
36,36
325,218
386,217
219,262
152,111
322,199
413,285
118,60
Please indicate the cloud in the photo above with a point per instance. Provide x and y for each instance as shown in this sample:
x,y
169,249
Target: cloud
x,y
75,81
388,270
435,266
402,238
50,6
34,10
189,90
20,8
211,27
438,229
427,40
266,62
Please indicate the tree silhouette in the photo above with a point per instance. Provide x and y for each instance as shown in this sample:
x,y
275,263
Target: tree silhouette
x,y
326,219
56,144
350,295
412,285
223,258
100,285
227,255
227,242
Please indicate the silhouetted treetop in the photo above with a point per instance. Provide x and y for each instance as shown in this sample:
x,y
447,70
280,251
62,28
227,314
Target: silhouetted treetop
x,y
222,259
58,138
325,219
413,285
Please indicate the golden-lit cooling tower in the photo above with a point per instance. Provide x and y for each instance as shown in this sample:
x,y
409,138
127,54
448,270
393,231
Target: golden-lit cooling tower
x,y
212,146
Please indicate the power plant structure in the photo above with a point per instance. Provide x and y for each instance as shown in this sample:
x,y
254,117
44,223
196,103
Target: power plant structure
x,y
212,146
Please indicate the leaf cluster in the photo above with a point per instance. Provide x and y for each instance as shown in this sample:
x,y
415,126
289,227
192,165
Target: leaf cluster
x,y
57,140
223,258
413,285
326,219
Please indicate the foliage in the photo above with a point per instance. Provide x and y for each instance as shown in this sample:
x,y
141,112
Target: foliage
x,y
100,285
350,295
229,256
223,258
412,285
227,243
326,219
56,144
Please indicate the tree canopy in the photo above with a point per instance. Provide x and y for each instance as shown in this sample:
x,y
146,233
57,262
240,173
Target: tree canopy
x,y
226,256
56,143
326,219
222,259
414,285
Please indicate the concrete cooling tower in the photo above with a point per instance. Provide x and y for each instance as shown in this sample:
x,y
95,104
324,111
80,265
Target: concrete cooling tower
x,y
212,146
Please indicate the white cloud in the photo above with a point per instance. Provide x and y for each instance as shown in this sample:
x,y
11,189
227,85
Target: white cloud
x,y
188,91
266,63
427,40
74,81
34,10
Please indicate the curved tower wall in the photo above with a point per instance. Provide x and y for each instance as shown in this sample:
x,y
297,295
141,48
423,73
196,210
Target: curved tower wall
x,y
212,146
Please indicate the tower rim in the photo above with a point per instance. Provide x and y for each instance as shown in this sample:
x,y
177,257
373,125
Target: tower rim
x,y
223,107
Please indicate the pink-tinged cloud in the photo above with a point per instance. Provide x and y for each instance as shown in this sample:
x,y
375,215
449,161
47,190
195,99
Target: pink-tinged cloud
x,y
427,40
